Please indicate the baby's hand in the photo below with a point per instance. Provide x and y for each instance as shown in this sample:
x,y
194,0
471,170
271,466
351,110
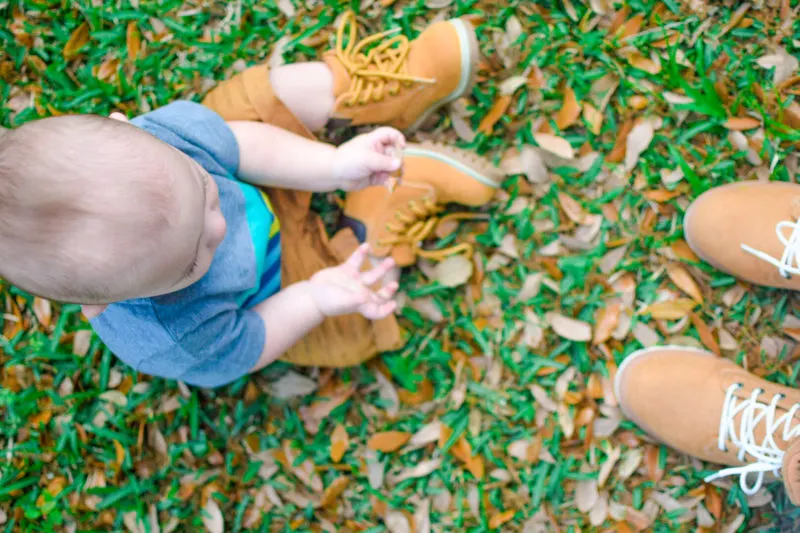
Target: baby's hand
x,y
368,159
345,289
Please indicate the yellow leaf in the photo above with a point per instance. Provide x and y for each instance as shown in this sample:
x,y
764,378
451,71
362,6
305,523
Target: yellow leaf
x,y
742,123
570,110
607,321
133,40
388,441
107,69
670,310
638,61
705,334
572,208
495,114
339,443
119,452
593,118
333,491
684,281
501,518
76,41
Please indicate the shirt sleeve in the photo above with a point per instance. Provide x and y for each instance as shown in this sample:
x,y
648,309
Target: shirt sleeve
x,y
196,131
215,352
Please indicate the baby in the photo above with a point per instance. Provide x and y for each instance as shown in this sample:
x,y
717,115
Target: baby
x,y
154,221
160,228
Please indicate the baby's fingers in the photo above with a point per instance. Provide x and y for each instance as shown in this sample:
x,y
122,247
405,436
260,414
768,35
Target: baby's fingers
x,y
378,311
372,276
358,257
388,291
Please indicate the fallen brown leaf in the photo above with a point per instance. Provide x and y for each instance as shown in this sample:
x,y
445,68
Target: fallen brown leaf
x,y
671,309
706,337
496,112
684,281
742,123
388,441
570,110
76,41
606,322
339,443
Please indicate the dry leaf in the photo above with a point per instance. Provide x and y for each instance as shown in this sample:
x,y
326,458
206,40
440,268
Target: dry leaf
x,y
555,145
654,470
784,63
422,517
671,309
287,8
742,123
572,208
638,61
705,334
637,142
569,328
292,385
530,287
509,86
646,335
684,281
333,491
133,40
593,117
499,519
453,271
421,469
570,110
79,37
586,494
339,443
496,112
43,311
388,441
212,517
606,322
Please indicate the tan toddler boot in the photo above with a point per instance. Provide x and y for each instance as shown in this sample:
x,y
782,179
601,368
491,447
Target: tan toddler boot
x,y
397,222
390,80
710,408
749,230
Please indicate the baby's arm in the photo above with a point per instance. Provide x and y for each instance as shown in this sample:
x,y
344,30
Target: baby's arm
x,y
288,317
275,157
297,309
270,156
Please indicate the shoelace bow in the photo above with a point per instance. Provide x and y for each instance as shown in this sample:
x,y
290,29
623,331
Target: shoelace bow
x,y
767,456
414,225
374,73
789,263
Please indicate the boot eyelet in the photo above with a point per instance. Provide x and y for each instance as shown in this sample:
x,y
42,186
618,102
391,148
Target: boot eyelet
x,y
786,275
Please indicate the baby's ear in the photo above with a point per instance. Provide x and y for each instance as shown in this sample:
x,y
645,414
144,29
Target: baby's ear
x,y
118,116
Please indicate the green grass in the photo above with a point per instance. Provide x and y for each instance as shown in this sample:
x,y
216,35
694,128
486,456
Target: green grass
x,y
76,455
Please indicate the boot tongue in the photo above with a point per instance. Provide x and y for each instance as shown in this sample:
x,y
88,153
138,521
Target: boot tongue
x,y
791,470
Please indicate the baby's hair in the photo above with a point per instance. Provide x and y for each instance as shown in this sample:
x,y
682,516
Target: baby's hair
x,y
74,192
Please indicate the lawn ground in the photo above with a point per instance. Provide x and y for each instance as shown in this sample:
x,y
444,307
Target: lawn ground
x,y
498,414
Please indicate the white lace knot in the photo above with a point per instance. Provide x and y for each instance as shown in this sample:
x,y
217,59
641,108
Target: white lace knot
x,y
766,456
789,263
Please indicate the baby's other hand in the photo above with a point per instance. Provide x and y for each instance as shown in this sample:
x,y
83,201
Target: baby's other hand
x,y
369,159
346,289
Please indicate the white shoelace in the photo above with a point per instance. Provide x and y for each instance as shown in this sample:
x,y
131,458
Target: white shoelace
x,y
789,262
767,456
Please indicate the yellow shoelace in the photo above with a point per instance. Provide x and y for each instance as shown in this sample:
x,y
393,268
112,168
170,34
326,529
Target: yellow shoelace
x,y
378,72
417,224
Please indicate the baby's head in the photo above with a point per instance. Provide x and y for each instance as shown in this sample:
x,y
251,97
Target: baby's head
x,y
94,210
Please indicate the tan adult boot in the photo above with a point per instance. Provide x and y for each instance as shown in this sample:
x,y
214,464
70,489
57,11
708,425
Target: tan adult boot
x,y
387,79
749,230
396,223
712,409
